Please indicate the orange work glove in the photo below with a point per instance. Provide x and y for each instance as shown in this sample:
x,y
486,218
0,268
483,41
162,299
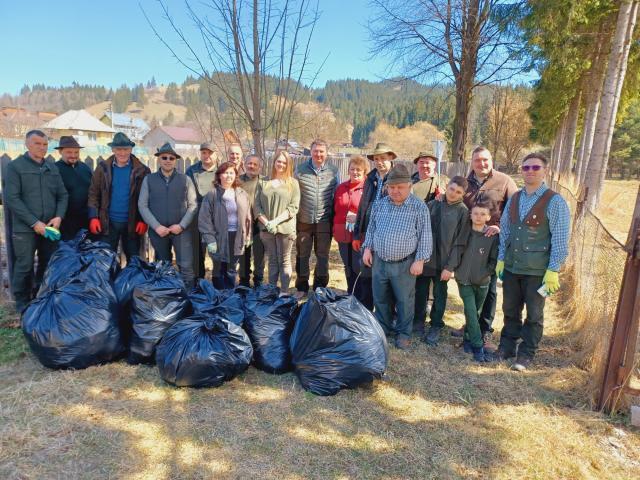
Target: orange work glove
x,y
94,226
356,244
141,228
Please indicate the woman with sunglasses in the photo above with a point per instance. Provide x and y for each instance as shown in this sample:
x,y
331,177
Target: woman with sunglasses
x,y
276,205
225,225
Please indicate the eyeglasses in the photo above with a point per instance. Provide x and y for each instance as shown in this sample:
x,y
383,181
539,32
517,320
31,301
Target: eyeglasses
x,y
165,157
535,168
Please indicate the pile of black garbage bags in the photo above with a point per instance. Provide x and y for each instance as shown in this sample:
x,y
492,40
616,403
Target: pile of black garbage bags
x,y
88,312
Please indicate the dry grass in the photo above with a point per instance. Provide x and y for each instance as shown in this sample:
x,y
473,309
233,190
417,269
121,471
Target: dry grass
x,y
616,206
436,416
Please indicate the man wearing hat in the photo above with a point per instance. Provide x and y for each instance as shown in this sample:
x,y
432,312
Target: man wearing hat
x,y
397,244
37,200
425,183
318,181
374,184
168,204
76,176
203,174
113,198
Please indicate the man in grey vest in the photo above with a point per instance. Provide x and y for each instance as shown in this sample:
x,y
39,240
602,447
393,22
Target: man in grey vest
x,y
318,181
250,179
203,174
534,243
168,204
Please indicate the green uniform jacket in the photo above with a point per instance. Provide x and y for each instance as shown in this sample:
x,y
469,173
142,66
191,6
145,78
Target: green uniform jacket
x,y
450,226
33,192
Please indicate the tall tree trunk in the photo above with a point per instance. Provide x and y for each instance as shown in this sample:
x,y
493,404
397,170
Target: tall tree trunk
x,y
461,121
592,105
569,141
556,152
616,71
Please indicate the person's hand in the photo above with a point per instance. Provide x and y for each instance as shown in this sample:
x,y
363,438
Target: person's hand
x,y
162,231
356,245
271,227
52,234
141,228
416,268
500,269
176,229
446,275
94,226
55,223
39,228
350,226
367,257
212,248
551,280
492,230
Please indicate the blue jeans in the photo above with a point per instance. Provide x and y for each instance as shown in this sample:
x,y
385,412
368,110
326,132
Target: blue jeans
x,y
393,284
225,274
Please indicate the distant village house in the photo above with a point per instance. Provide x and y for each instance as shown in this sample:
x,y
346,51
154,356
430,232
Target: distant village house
x,y
134,128
87,129
186,141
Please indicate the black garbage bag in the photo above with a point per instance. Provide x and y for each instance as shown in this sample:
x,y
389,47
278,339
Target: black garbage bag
x,y
336,343
155,306
203,351
135,273
206,299
74,325
79,254
269,320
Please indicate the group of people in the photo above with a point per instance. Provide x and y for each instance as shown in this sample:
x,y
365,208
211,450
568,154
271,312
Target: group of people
x,y
399,236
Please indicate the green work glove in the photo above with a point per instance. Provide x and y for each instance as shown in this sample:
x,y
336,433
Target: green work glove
x,y
271,227
52,233
500,269
551,280
212,247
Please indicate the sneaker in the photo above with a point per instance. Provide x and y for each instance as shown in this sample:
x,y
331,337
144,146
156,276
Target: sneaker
x,y
487,342
458,332
433,336
478,354
403,343
418,329
521,364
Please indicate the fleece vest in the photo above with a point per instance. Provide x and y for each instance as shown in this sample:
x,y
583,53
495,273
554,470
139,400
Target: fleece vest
x,y
168,199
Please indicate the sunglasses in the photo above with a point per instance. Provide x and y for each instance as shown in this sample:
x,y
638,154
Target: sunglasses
x,y
165,157
535,168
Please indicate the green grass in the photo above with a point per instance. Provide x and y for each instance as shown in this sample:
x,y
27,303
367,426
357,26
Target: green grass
x,y
13,346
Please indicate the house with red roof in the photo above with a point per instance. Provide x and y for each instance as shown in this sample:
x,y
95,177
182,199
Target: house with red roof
x,y
185,140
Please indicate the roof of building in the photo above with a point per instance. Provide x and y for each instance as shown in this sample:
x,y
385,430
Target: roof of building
x,y
78,120
182,134
124,120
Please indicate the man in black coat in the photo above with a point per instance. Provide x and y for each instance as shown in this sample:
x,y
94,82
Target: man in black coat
x,y
76,176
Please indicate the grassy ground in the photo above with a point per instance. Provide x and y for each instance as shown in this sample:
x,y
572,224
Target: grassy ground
x,y
436,416
616,206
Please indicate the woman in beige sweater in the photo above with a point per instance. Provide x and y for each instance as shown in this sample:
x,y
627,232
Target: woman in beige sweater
x,y
276,206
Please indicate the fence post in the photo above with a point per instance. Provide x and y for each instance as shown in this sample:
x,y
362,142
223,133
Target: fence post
x,y
624,337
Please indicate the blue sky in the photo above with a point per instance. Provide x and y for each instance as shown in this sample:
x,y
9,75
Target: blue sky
x,y
110,43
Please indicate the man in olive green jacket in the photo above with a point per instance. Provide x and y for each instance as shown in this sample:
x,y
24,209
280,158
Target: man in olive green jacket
x,y
35,195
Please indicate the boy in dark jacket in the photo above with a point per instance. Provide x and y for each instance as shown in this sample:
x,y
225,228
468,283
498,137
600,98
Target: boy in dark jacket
x,y
473,276
450,229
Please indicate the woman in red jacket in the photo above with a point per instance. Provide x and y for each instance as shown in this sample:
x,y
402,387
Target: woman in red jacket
x,y
345,207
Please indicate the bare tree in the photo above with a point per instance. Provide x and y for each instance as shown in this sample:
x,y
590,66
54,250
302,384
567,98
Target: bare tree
x,y
256,52
466,42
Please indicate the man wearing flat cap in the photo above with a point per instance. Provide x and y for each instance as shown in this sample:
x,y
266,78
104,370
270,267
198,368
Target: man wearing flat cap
x,y
202,174
168,205
397,244
76,176
113,198
37,200
374,188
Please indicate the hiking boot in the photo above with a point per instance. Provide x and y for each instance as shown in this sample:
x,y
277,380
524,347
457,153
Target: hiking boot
x,y
466,346
418,329
433,336
458,332
403,343
478,354
501,355
521,364
487,342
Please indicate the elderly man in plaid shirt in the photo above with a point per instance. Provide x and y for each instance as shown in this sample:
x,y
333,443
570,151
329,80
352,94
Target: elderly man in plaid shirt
x,y
397,243
534,243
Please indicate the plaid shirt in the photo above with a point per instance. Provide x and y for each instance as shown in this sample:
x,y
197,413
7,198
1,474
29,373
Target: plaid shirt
x,y
397,231
559,220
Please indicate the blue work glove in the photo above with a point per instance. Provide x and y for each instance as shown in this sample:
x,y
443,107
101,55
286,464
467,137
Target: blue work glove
x,y
52,233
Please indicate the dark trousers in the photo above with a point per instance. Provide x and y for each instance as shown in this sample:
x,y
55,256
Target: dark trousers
x,y
255,250
119,231
489,307
225,274
25,246
439,305
183,246
473,298
72,224
316,237
519,291
362,289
